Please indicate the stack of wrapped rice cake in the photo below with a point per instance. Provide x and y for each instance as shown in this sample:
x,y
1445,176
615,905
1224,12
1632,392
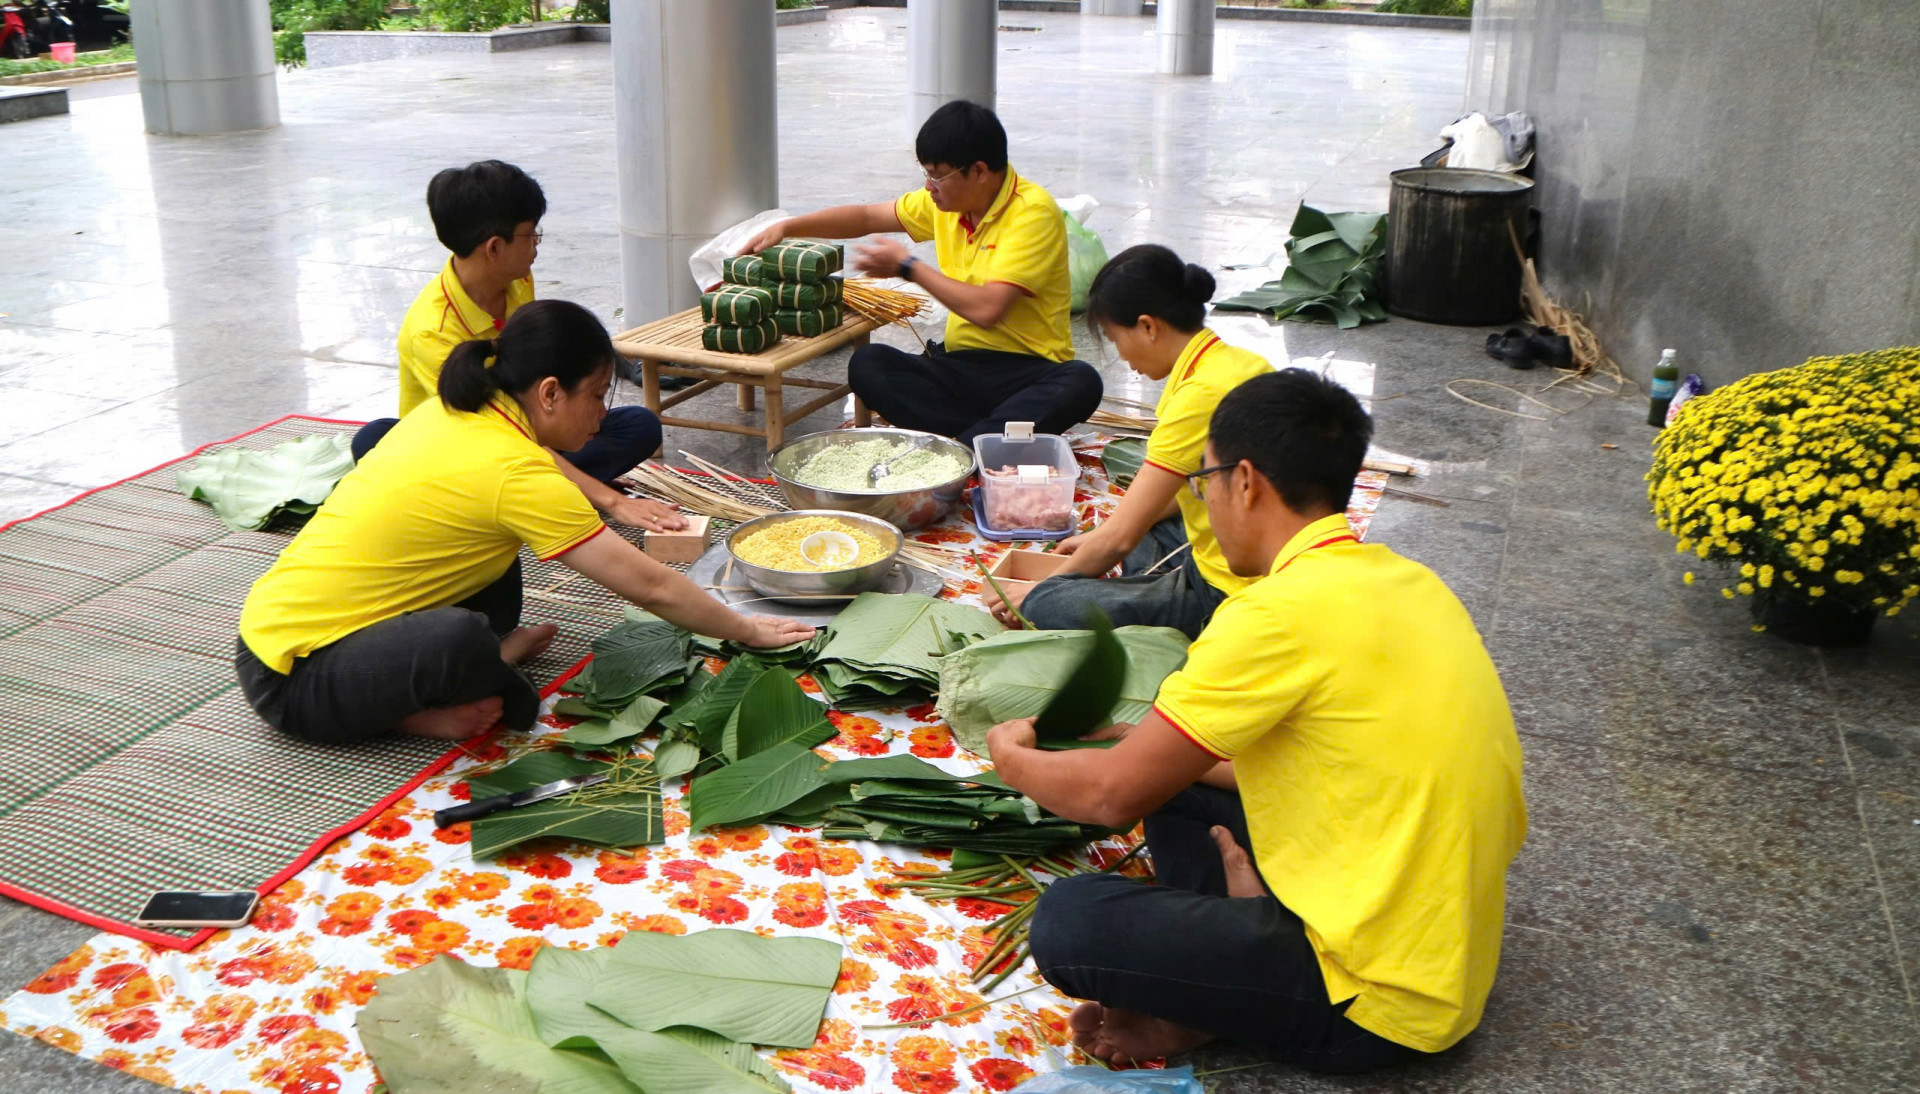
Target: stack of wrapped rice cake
x,y
787,289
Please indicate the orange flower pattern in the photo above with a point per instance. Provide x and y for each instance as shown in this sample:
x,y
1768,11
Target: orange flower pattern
x,y
269,1008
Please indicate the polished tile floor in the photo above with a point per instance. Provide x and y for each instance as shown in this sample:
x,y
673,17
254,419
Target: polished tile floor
x,y
1721,891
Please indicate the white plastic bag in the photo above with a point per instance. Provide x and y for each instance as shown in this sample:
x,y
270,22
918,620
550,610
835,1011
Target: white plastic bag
x,y
1080,206
708,262
1476,143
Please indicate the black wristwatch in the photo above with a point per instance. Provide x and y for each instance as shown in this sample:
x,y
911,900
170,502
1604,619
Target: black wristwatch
x,y
905,272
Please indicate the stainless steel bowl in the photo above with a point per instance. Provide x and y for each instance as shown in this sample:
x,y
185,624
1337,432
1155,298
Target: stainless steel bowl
x,y
905,509
782,583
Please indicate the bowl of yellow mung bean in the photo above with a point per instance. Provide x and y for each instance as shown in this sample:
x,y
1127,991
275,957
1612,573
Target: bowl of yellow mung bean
x,y
768,552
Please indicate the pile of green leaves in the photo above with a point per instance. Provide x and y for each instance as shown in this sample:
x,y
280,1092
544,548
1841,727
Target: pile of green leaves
x,y
892,799
885,648
658,1014
1332,274
1016,674
635,658
248,487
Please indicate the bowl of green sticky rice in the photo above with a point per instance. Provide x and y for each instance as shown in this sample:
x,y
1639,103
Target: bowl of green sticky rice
x,y
831,471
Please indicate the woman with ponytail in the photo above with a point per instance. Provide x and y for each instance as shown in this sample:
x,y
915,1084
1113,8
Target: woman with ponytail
x,y
397,608
1152,307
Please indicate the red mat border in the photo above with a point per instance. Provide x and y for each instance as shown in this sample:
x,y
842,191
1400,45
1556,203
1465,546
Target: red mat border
x,y
300,862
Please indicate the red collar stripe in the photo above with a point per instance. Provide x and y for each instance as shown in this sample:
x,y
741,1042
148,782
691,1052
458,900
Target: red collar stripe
x,y
1195,363
453,307
508,418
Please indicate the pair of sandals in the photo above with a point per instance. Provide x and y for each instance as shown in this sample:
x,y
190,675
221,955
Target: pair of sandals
x,y
1518,349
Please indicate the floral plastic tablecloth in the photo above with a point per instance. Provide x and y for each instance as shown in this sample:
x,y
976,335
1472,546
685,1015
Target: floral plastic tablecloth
x,y
269,1008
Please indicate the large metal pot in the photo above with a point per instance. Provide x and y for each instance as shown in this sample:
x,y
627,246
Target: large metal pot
x,y
778,583
905,509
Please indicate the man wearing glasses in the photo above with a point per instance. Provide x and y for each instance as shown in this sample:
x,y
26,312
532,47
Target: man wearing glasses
x,y
488,215
1001,272
1331,785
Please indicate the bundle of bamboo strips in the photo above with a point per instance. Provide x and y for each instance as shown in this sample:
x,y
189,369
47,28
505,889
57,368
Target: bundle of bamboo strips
x,y
882,305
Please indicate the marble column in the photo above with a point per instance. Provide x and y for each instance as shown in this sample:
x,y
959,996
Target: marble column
x,y
696,133
1185,33
206,66
951,46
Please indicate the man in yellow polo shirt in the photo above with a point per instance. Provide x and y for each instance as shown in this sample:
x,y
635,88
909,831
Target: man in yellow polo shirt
x,y
488,215
1002,273
1340,719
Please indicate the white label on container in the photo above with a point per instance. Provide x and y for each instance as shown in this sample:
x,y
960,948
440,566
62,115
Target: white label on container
x,y
1035,472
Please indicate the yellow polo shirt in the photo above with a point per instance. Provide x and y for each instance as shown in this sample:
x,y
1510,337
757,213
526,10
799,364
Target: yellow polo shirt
x,y
1207,369
440,318
1021,241
1379,769
433,515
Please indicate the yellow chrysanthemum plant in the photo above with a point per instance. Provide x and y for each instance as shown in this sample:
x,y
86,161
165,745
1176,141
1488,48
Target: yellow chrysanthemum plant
x,y
1803,485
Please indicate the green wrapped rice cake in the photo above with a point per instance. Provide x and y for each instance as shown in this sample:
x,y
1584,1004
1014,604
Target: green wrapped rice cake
x,y
737,305
725,339
741,270
799,260
806,324
801,296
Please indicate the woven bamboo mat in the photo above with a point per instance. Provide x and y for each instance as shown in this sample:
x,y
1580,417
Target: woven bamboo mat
x,y
133,762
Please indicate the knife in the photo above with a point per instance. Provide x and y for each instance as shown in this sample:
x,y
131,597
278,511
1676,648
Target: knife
x,y
481,807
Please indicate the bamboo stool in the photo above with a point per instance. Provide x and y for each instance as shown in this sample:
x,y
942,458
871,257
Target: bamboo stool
x,y
671,347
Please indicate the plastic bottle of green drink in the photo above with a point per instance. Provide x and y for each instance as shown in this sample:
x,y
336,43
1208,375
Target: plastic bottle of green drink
x,y
1666,377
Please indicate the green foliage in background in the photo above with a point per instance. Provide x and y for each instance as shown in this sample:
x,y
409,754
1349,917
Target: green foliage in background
x,y
468,15
591,11
115,55
292,19
1425,7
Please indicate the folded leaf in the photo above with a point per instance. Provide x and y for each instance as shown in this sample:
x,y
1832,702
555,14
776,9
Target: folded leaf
x,y
448,1027
903,632
1014,675
775,711
1122,458
246,487
764,783
1090,690
634,657
763,991
677,1060
900,766
623,726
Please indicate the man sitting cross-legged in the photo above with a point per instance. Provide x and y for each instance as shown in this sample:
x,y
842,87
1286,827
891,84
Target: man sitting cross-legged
x,y
1331,785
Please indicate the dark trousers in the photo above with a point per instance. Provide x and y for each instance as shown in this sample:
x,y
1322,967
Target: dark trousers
x,y
964,393
628,435
1181,950
1174,596
364,684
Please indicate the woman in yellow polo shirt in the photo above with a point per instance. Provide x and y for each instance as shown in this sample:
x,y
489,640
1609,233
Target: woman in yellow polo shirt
x,y
1152,307
397,607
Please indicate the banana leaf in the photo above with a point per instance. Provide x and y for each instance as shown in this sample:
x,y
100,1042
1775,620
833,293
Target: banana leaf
x,y
763,991
1015,675
609,815
774,711
247,487
677,753
902,635
1332,273
1091,690
1123,457
633,658
812,809
708,714
758,786
794,654
448,1027
624,726
678,1060
885,767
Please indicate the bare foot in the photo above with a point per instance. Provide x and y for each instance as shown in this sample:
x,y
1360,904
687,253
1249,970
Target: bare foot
x,y
1242,878
455,723
525,643
1124,1038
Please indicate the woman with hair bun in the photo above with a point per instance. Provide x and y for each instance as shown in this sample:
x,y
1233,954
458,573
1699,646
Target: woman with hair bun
x,y
1152,306
397,608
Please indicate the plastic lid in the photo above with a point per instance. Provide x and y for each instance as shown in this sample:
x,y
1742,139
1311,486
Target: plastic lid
x,y
1666,353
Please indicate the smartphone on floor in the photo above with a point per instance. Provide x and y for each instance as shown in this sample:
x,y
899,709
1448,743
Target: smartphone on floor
x,y
183,908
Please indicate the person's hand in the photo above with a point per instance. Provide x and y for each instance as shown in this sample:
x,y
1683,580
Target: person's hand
x,y
770,235
1114,732
1004,609
766,632
1016,734
647,514
1071,544
881,257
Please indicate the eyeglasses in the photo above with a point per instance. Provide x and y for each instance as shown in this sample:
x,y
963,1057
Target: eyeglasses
x,y
1197,482
932,181
538,235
